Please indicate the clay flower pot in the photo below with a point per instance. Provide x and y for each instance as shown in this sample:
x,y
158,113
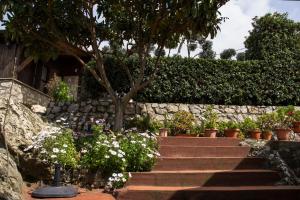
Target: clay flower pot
x,y
296,127
255,134
267,135
233,133
283,133
210,133
163,132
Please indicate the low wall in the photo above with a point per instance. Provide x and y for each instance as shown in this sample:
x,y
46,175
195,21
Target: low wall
x,y
79,113
22,93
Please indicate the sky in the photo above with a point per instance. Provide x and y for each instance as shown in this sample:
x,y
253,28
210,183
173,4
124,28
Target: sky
x,y
240,14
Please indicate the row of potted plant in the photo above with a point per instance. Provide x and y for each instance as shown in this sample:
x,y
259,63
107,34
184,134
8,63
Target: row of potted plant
x,y
281,122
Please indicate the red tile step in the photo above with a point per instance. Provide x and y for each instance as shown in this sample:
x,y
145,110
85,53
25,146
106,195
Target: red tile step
x,y
205,178
198,141
203,151
210,193
209,163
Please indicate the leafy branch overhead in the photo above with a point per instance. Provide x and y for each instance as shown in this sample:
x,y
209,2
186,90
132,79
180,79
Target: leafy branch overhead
x,y
80,28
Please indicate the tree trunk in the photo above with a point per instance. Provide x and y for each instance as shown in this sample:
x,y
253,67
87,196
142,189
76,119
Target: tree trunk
x,y
119,115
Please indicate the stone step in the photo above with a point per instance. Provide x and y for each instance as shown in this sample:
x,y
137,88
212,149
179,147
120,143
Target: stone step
x,y
203,151
205,178
210,193
198,141
209,163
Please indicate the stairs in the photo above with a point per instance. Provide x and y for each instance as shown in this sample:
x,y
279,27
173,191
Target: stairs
x,y
208,169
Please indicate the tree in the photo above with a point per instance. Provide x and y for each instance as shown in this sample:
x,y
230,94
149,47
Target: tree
x,y
274,36
74,26
241,56
207,51
227,54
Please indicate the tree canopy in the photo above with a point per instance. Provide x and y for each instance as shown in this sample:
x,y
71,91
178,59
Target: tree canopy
x,y
227,54
274,36
81,27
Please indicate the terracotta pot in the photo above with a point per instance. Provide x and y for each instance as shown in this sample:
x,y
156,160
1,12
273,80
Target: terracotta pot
x,y
232,132
210,133
283,133
267,135
255,134
296,127
163,132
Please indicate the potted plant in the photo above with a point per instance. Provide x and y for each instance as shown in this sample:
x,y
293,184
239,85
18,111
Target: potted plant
x,y
182,123
283,122
296,121
210,123
232,129
266,122
250,126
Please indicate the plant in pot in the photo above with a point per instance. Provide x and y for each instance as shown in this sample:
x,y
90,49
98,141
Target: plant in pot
x,y
296,120
182,123
232,129
210,123
283,122
266,123
167,125
249,126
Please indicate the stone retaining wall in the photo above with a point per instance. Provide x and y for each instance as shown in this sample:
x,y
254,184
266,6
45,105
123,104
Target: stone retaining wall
x,y
79,113
22,93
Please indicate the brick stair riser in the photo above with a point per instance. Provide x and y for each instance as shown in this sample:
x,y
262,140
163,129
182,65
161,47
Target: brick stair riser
x,y
173,164
213,195
187,151
182,141
205,179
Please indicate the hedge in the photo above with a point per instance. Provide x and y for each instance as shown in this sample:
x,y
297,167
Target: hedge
x,y
183,80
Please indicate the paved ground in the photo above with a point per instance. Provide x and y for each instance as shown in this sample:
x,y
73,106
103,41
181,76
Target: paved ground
x,y
84,195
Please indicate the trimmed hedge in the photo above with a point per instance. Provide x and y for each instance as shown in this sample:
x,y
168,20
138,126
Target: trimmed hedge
x,y
183,80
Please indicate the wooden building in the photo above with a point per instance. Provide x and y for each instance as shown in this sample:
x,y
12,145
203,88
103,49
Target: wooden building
x,y
13,64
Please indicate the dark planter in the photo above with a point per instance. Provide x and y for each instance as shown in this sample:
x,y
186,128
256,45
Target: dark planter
x,y
233,133
296,127
282,133
267,135
211,133
255,134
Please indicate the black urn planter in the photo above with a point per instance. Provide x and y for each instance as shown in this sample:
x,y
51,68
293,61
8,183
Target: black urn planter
x,y
56,190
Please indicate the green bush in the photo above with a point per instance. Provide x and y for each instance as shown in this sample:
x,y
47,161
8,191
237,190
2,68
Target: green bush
x,y
144,123
248,125
210,119
207,81
182,122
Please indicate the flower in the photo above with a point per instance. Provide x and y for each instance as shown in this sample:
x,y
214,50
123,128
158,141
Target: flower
x,y
55,150
124,179
120,155
106,156
63,151
53,156
150,155
120,175
112,152
65,145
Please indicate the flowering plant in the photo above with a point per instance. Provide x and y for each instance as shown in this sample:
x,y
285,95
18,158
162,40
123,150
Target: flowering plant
x,y
55,145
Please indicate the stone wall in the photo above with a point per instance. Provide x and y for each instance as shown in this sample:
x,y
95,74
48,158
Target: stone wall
x,y
22,93
79,113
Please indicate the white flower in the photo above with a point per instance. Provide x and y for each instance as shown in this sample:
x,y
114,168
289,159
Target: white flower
x,y
55,150
120,155
133,142
143,145
65,145
43,151
83,151
120,175
53,156
111,179
123,159
124,179
150,155
106,156
63,151
114,175
112,152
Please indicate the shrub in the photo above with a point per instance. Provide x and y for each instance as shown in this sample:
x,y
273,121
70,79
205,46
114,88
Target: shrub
x,y
144,123
266,122
59,148
183,121
183,80
210,119
59,90
248,125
